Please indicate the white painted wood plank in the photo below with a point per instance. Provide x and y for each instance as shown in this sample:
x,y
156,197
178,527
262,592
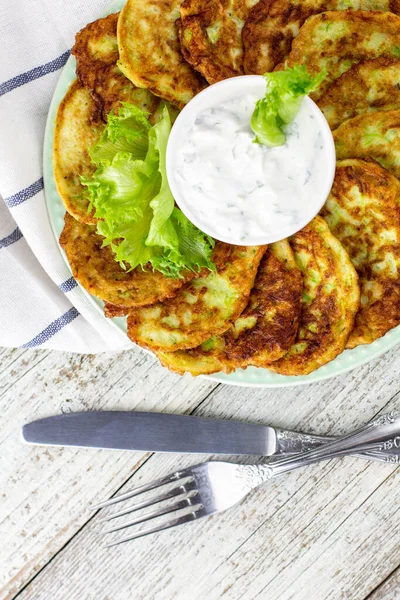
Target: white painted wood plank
x,y
389,589
15,363
234,554
44,492
282,540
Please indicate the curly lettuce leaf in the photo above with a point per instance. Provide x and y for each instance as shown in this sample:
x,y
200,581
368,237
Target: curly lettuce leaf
x,y
105,150
133,202
194,245
119,189
130,122
266,124
132,244
162,231
125,132
285,92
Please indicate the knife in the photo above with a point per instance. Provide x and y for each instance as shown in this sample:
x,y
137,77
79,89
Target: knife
x,y
160,432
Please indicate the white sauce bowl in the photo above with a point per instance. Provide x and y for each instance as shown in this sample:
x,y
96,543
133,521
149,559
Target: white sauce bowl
x,y
213,166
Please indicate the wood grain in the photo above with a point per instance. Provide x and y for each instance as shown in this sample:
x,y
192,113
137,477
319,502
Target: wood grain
x,y
46,490
389,589
330,531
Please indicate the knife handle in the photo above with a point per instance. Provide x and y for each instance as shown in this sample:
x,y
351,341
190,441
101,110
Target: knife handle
x,y
292,442
371,437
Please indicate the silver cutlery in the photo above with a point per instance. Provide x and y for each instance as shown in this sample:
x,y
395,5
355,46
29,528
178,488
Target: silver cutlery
x,y
212,487
159,432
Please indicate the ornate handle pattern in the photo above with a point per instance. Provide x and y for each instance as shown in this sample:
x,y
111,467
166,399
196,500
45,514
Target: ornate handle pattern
x,y
370,437
293,442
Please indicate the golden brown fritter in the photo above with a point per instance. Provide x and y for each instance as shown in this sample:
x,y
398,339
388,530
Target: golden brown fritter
x,y
330,300
113,310
210,35
150,54
96,52
203,307
77,127
267,327
82,113
373,136
367,87
96,49
362,211
208,358
263,332
335,40
273,24
98,272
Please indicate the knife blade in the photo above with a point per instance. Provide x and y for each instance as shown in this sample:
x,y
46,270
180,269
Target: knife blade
x,y
154,432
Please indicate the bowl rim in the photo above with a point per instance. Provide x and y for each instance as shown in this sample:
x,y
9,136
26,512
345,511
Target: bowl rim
x,y
213,95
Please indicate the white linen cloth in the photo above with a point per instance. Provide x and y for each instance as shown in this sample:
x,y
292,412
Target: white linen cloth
x,y
41,304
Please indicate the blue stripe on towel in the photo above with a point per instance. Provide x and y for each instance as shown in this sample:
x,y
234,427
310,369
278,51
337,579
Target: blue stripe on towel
x,y
10,239
68,285
33,74
53,328
25,194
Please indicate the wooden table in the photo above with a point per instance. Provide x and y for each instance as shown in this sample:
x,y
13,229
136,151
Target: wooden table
x,y
329,531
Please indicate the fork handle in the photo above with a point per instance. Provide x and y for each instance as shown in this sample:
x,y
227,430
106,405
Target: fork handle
x,y
372,437
294,442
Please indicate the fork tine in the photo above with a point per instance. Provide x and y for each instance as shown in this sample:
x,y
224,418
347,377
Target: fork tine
x,y
142,488
177,491
192,516
151,515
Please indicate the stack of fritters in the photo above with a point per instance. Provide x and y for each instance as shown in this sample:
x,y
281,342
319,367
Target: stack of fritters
x,y
82,115
296,305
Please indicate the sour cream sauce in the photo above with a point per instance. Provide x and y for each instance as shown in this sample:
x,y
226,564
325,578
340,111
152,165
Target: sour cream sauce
x,y
242,192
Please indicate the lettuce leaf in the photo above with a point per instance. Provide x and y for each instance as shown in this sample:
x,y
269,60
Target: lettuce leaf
x,y
162,232
285,92
132,200
194,245
266,124
125,132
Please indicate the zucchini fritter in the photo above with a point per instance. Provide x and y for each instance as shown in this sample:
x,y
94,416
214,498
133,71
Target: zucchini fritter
x,y
209,357
371,136
210,36
83,112
267,327
77,127
149,50
335,40
362,211
367,87
202,308
96,52
330,300
263,332
113,310
98,272
273,24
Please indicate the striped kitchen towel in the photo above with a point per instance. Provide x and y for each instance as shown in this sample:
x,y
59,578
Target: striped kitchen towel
x,y
41,305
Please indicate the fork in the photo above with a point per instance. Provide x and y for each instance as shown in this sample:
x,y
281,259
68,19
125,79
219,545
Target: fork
x,y
211,487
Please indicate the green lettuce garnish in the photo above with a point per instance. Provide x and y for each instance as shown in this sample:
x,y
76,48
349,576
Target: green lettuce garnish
x,y
130,194
285,92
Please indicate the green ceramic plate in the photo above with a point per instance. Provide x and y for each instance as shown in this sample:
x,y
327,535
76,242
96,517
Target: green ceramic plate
x,y
252,377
